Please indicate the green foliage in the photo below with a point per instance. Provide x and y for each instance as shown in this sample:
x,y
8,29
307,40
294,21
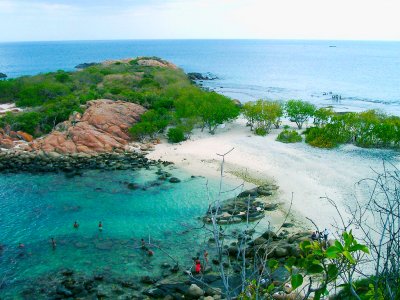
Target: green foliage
x,y
211,109
324,264
322,116
152,122
289,136
175,135
262,115
299,111
367,129
260,131
54,96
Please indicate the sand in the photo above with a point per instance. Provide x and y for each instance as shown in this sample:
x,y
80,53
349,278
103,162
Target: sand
x,y
6,107
307,173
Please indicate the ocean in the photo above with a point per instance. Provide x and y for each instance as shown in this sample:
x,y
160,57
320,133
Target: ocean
x,y
365,74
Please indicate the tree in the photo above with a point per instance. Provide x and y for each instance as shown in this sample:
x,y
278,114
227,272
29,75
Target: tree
x,y
299,111
262,114
215,109
3,76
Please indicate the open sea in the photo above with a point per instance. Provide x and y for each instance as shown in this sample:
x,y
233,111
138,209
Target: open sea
x,y
365,74
34,208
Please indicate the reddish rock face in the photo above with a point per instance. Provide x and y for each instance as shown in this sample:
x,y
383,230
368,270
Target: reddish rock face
x,y
102,128
9,139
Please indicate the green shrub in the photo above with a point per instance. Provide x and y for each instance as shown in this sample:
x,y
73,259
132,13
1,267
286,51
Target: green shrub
x,y
175,135
289,136
260,131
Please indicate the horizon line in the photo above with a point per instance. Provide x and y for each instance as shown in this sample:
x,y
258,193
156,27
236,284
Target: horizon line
x,y
200,39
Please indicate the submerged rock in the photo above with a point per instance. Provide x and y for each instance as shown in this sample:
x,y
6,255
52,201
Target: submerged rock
x,y
174,180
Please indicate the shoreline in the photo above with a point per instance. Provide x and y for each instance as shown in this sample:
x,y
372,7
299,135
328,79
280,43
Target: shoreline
x,y
305,173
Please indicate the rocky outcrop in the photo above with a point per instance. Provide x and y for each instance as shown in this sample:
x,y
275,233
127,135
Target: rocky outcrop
x,y
9,139
246,206
102,128
200,76
86,65
144,61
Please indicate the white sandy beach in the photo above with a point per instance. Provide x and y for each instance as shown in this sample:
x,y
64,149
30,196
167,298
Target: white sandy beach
x,y
309,173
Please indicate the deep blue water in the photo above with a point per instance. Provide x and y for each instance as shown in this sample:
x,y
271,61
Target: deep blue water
x,y
365,74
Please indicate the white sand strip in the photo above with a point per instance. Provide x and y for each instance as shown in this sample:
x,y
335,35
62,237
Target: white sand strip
x,y
308,172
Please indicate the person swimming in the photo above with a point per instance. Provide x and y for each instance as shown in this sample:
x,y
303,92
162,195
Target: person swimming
x,y
76,225
21,246
100,226
53,243
143,244
150,252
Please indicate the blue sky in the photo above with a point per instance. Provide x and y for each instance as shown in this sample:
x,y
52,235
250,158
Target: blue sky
x,y
27,20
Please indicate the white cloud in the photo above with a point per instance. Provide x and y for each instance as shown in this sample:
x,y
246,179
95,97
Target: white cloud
x,y
307,19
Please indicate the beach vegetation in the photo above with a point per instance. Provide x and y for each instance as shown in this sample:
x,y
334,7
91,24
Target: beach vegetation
x,y
289,136
262,115
369,129
175,135
299,111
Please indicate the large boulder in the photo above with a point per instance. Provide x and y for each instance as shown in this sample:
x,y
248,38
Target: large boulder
x,y
194,292
102,128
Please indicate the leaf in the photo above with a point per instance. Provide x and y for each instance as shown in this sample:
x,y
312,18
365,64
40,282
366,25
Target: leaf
x,y
270,288
290,261
273,264
315,269
332,252
349,257
359,247
339,245
317,295
296,281
332,271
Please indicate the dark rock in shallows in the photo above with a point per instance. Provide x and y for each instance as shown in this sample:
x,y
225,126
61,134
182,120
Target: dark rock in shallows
x,y
63,291
174,180
133,186
201,76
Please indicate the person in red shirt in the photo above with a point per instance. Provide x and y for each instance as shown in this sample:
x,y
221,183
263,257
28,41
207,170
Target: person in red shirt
x,y
197,265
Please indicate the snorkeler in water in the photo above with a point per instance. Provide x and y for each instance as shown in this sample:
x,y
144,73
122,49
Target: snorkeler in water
x,y
100,226
53,243
76,225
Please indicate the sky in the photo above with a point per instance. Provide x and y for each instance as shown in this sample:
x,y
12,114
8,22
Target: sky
x,y
48,20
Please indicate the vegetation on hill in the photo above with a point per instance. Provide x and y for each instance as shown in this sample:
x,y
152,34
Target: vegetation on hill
x,y
50,98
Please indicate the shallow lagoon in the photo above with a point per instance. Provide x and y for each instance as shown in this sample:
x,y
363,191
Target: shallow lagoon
x,y
34,208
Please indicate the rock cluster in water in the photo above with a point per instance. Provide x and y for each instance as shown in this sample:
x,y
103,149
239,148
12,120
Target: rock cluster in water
x,y
246,206
18,161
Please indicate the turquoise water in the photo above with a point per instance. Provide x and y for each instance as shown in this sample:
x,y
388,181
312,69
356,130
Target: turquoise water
x,y
34,208
365,74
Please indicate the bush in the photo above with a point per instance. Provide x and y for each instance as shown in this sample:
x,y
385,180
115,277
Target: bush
x,y
289,136
175,135
260,131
